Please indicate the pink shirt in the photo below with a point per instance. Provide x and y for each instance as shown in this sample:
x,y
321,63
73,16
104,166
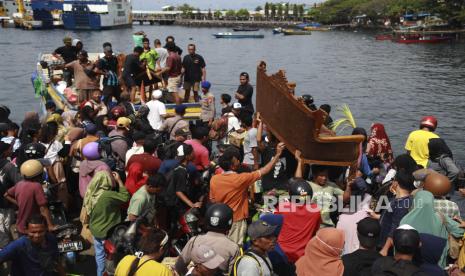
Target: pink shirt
x,y
201,160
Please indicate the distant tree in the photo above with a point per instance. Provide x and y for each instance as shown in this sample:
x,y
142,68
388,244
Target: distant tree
x,y
210,15
280,11
286,11
217,14
267,10
169,8
301,11
243,14
258,8
273,11
230,14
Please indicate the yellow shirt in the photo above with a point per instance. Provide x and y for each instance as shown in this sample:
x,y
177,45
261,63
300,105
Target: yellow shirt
x,y
417,144
150,268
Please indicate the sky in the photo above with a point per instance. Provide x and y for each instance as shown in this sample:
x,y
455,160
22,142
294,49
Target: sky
x,y
207,4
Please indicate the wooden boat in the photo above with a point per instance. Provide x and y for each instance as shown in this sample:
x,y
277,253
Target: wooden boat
x,y
384,37
419,38
232,35
299,128
245,29
48,86
317,29
296,32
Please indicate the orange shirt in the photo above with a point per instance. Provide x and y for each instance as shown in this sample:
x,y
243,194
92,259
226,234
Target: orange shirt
x,y
231,189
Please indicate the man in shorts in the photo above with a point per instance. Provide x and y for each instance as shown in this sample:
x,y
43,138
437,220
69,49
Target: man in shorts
x,y
193,67
173,68
133,68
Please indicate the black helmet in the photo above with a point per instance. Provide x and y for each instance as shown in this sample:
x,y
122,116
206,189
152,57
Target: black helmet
x,y
308,99
219,216
34,151
299,187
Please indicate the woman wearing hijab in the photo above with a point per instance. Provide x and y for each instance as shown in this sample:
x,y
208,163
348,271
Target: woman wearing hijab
x,y
379,145
426,221
323,254
441,159
135,178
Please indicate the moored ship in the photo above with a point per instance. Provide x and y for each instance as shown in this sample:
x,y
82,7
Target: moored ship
x,y
97,15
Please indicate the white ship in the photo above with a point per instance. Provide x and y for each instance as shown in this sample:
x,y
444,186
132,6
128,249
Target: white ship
x,y
97,15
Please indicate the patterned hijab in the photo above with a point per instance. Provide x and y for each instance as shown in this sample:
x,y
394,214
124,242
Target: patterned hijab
x,y
379,144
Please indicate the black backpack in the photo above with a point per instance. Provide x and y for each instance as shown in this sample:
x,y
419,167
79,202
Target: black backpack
x,y
110,157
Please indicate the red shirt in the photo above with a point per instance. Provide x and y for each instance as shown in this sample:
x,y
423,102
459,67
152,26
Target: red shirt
x,y
175,64
202,159
299,226
30,196
150,163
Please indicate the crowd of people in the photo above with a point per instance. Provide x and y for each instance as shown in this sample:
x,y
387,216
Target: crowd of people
x,y
262,210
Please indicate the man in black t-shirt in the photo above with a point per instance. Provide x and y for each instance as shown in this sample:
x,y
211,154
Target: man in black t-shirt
x,y
244,95
359,262
133,68
69,54
193,67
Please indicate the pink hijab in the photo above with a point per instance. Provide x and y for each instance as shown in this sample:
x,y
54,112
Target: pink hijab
x,y
323,254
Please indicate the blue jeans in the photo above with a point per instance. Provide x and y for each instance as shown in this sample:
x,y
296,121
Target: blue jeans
x,y
99,255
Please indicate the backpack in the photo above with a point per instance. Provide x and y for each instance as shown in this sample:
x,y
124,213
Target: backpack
x,y
167,150
109,156
248,255
219,128
170,198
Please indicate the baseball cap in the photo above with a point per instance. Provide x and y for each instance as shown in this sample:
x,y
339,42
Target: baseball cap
x,y
156,94
237,105
182,132
180,109
260,229
123,122
205,255
406,239
206,84
368,230
91,128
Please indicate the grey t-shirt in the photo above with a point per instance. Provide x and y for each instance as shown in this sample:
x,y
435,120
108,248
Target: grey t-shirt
x,y
248,266
250,142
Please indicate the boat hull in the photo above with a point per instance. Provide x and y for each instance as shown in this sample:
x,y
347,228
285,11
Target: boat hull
x,y
297,32
96,15
238,35
51,92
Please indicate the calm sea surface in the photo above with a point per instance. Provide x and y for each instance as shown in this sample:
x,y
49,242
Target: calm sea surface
x,y
380,81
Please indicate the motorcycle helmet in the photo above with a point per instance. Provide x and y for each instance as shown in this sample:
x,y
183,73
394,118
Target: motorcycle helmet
x,y
429,122
34,151
31,169
438,184
299,187
219,217
91,151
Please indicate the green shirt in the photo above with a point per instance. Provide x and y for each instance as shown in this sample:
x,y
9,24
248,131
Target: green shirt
x,y
142,201
107,212
151,56
324,196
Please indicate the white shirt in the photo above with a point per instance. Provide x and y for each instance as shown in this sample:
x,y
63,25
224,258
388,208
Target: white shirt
x,y
162,56
52,151
134,150
233,122
156,110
